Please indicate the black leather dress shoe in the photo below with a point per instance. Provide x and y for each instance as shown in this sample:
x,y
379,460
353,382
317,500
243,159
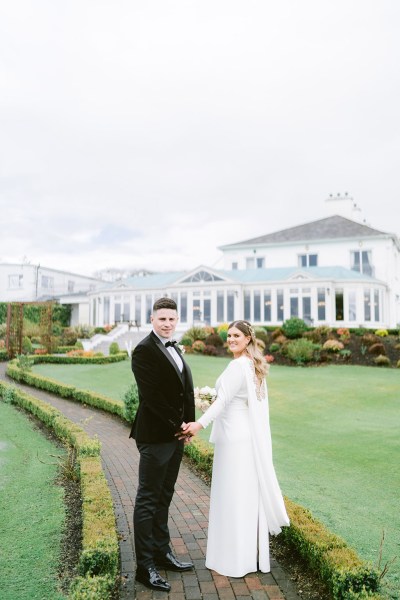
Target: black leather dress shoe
x,y
152,579
170,562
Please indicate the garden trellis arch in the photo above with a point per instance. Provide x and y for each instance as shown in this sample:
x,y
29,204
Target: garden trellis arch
x,y
15,326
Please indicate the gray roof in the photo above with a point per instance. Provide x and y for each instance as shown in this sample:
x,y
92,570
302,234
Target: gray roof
x,y
330,228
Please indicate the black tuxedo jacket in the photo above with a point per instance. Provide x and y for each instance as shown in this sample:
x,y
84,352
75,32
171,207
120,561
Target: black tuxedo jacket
x,y
166,396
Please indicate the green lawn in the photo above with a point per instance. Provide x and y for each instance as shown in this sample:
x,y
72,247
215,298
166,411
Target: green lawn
x,y
32,511
336,436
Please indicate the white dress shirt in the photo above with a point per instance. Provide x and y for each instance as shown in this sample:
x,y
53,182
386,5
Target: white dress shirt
x,y
172,351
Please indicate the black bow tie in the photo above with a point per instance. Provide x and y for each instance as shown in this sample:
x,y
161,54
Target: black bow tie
x,y
170,343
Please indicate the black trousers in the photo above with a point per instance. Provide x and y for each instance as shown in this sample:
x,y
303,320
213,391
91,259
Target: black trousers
x,y
158,470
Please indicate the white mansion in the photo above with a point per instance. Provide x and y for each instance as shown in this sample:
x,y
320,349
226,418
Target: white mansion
x,y
333,271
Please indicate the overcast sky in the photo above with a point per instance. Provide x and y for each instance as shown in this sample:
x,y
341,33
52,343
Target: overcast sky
x,y
146,134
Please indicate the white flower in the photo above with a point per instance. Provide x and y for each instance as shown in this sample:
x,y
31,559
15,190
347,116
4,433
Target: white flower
x,y
181,348
204,397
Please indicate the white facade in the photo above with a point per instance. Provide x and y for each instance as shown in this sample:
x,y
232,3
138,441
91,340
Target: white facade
x,y
335,272
27,283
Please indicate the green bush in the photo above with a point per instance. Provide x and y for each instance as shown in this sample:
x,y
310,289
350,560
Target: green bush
x,y
382,361
195,333
294,328
274,347
91,588
3,331
26,345
301,350
24,362
131,402
3,354
261,334
198,347
222,331
114,348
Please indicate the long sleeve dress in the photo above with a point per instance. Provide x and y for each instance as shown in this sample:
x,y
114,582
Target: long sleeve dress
x,y
246,503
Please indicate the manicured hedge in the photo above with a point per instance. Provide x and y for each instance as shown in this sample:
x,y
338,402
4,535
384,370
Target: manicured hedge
x,y
78,360
64,390
345,573
99,559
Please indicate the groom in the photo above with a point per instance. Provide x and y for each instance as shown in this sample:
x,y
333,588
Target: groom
x,y
166,403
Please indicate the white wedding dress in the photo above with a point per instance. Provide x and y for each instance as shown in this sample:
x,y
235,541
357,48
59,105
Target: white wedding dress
x,y
246,502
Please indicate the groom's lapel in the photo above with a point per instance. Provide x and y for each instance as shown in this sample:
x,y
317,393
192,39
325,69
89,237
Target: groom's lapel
x,y
167,355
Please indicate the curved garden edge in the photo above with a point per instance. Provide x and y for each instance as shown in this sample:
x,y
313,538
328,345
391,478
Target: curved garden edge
x,y
345,573
99,560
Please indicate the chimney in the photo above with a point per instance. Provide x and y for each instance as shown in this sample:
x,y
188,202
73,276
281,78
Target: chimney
x,y
344,206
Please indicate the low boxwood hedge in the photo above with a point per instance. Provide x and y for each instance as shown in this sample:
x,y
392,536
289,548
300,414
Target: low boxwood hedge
x,y
78,360
99,559
64,390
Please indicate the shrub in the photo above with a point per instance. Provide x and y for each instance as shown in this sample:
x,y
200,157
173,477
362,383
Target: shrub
x,y
382,361
377,349
313,335
198,347
26,345
359,331
185,341
398,364
382,332
294,327
345,353
222,331
210,350
196,333
323,330
131,401
276,333
260,344
269,358
369,339
114,348
300,350
333,346
274,347
343,333
280,339
214,340
25,363
3,331
261,334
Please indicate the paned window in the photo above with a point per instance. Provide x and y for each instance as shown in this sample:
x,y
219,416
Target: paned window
x,y
15,281
361,262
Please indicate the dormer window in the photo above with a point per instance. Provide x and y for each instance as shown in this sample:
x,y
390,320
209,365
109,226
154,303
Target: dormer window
x,y
361,262
308,260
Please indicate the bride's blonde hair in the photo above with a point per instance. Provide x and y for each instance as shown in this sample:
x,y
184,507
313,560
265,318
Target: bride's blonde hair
x,y
252,351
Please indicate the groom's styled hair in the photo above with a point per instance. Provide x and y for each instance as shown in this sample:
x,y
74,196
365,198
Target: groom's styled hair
x,y
164,303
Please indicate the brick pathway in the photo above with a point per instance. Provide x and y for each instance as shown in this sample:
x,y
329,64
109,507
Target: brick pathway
x,y
188,519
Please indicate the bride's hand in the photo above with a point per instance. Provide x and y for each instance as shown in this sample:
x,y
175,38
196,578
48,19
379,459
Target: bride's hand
x,y
191,428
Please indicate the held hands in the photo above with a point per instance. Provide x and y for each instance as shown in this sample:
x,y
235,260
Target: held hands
x,y
188,430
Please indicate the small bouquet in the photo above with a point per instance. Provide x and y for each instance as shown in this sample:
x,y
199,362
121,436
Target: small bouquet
x,y
204,397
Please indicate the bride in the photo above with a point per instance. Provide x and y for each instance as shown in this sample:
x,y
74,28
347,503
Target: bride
x,y
246,502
